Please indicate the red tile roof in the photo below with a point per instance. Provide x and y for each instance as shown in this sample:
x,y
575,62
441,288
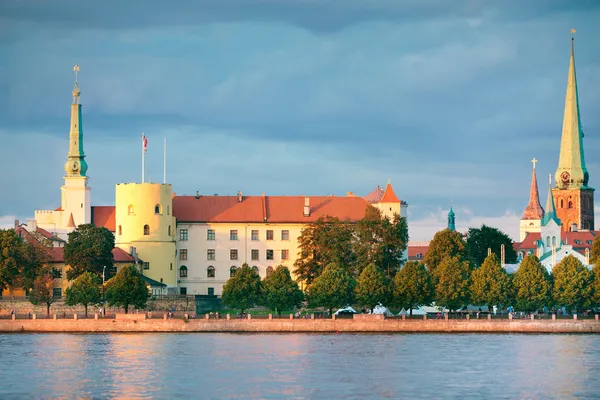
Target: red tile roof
x,y
413,250
121,256
274,209
104,216
568,238
389,196
375,195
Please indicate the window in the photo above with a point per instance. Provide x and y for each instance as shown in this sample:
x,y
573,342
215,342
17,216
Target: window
x,y
56,292
419,255
553,240
146,265
577,241
233,254
130,209
120,230
168,211
211,291
254,235
183,254
562,203
269,254
269,234
210,234
157,209
57,273
183,234
570,204
254,255
232,271
233,234
548,241
183,291
590,242
285,254
169,233
171,266
146,230
255,269
285,235
210,254
183,271
269,270
210,272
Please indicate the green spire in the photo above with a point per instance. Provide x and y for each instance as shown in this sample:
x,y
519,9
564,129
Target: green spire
x,y
76,166
451,220
550,213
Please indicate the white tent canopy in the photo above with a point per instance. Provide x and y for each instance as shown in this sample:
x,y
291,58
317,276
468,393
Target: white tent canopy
x,y
380,309
348,308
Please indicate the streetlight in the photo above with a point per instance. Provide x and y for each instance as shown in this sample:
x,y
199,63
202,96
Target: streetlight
x,y
103,295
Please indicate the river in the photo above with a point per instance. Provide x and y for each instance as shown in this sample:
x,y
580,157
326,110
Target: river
x,y
311,366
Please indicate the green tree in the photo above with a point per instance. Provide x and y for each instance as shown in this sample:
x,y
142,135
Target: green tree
x,y
127,288
243,290
596,286
573,284
327,240
446,243
280,292
479,240
42,291
490,284
84,290
412,286
89,249
13,257
532,285
595,251
452,290
372,287
38,255
333,288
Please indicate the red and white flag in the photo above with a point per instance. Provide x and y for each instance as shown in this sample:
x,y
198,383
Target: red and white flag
x,y
144,143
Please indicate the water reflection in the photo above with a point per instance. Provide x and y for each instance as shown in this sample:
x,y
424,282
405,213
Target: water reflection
x,y
181,366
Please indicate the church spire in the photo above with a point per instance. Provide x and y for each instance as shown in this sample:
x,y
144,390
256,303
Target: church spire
x,y
571,171
534,209
550,213
76,165
451,219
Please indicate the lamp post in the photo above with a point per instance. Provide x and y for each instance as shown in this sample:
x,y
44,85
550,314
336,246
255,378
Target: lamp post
x,y
103,294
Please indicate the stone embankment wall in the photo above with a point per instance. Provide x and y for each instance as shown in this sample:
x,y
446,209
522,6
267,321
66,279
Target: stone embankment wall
x,y
298,325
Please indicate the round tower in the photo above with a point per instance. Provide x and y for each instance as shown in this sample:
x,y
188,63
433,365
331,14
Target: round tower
x,y
144,220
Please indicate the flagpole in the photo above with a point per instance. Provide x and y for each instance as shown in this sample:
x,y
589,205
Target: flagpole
x,y
143,159
165,163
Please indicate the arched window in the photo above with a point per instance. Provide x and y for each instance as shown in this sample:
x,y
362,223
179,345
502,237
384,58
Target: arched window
x,y
120,230
553,240
169,230
168,210
562,203
232,271
146,230
183,271
130,209
210,272
157,209
269,270
419,255
548,241
255,269
570,204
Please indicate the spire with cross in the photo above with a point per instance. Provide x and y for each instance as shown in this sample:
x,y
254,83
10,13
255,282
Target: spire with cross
x,y
76,91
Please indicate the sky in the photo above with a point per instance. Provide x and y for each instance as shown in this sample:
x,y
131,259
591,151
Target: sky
x,y
449,99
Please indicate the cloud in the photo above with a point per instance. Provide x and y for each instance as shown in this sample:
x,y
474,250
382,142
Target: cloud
x,y
7,222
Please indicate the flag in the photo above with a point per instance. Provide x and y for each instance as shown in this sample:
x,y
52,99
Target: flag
x,y
144,143
573,31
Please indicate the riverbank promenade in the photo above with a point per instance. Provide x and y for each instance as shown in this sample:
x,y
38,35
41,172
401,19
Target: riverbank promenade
x,y
358,324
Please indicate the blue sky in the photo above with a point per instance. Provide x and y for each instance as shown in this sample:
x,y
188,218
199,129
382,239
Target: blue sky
x,y
451,99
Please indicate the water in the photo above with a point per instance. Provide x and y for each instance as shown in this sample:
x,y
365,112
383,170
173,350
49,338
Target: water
x,y
223,366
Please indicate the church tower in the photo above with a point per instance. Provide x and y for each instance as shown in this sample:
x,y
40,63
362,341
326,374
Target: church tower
x,y
532,217
75,193
451,220
572,195
551,224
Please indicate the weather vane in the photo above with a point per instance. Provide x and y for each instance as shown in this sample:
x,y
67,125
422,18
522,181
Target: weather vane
x,y
76,91
76,70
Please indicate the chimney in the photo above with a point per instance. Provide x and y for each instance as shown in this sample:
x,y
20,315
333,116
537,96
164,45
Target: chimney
x,y
32,225
197,195
573,227
307,206
16,223
239,197
350,194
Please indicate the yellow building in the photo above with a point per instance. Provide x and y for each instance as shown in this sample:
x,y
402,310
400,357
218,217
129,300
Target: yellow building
x,y
144,221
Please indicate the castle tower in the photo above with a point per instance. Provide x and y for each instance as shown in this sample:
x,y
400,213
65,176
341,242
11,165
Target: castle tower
x,y
389,204
572,195
532,217
451,220
551,224
144,220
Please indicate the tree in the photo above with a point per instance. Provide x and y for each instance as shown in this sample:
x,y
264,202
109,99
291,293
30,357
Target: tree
x,y
446,243
372,287
490,284
573,284
333,288
596,286
38,255
13,257
412,286
243,290
328,240
127,288
452,290
532,285
84,290
595,251
479,240
89,249
280,292
42,292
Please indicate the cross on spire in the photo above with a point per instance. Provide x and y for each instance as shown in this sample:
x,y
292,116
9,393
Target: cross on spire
x,y
534,161
76,70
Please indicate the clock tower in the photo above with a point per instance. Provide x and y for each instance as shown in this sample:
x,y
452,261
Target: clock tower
x,y
75,193
573,198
